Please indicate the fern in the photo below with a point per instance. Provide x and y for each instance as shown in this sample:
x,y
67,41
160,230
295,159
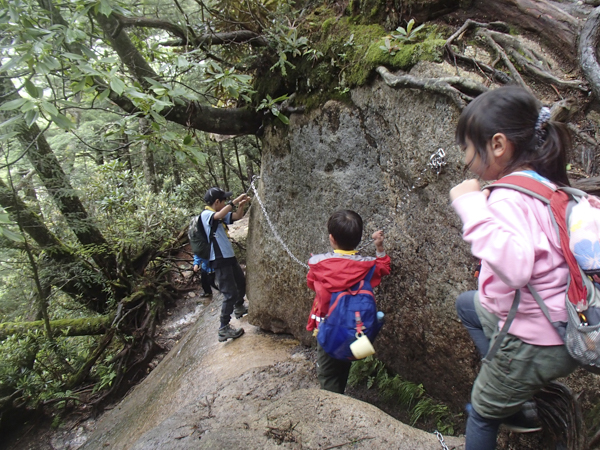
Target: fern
x,y
409,395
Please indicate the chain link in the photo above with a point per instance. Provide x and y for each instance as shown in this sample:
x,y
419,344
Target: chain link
x,y
441,439
262,206
436,161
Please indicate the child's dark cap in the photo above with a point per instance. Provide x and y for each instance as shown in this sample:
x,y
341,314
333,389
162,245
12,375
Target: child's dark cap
x,y
214,194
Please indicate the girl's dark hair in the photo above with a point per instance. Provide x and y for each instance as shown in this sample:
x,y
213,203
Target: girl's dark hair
x,y
514,112
346,227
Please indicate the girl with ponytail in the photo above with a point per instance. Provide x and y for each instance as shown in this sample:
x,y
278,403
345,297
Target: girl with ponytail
x,y
502,132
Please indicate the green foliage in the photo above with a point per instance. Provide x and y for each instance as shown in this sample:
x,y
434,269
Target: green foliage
x,y
227,84
39,368
131,216
394,43
271,104
392,388
4,220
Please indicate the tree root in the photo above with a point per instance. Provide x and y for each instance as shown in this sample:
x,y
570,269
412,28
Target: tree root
x,y
513,54
460,90
588,51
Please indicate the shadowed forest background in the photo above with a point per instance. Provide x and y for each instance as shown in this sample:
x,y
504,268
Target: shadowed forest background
x,y
116,116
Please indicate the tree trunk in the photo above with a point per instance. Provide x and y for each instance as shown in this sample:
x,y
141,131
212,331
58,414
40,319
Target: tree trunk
x,y
176,172
84,289
555,26
124,155
59,187
588,51
239,165
223,167
148,158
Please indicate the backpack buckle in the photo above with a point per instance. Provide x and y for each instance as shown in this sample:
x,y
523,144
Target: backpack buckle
x,y
359,324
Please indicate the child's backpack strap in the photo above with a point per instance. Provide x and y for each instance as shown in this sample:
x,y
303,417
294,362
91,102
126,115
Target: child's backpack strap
x,y
357,288
557,200
370,274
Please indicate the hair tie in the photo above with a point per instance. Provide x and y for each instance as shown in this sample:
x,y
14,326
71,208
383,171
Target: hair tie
x,y
543,117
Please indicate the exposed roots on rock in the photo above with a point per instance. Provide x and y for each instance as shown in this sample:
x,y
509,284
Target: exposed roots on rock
x,y
516,58
514,55
460,90
480,66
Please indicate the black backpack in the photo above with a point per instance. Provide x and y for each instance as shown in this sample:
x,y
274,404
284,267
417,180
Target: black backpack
x,y
198,240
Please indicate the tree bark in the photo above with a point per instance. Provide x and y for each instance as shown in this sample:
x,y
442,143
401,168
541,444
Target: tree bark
x,y
588,51
223,167
556,27
148,158
239,165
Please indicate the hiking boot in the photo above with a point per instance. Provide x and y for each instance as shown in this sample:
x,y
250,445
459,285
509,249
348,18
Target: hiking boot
x,y
525,421
240,311
206,294
227,332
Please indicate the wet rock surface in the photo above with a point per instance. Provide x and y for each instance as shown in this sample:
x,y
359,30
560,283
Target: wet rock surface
x,y
258,391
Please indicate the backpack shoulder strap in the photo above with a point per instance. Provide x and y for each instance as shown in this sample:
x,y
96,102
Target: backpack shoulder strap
x,y
557,200
370,274
356,289
526,185
212,239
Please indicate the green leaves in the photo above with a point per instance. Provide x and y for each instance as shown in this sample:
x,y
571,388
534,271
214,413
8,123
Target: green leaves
x,y
408,33
5,220
403,35
226,83
62,121
32,90
271,104
117,85
13,104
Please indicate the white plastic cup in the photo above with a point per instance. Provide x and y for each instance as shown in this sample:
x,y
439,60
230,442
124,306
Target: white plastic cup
x,y
362,347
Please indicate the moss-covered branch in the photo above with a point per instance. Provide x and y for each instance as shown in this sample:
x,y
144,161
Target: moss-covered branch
x,y
62,327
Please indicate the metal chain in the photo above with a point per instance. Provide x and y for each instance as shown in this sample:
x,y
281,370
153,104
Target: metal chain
x,y
285,247
436,161
441,439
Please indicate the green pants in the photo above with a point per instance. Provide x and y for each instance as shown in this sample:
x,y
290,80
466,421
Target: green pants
x,y
517,371
332,373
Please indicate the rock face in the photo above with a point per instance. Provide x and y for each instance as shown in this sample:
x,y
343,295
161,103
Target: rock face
x,y
373,156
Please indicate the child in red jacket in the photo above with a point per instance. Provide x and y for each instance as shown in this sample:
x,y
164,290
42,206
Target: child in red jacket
x,y
337,271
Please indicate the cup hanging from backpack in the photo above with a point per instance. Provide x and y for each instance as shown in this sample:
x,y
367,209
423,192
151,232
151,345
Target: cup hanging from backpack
x,y
362,347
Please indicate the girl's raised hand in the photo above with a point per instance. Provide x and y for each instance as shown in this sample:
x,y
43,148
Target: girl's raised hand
x,y
463,188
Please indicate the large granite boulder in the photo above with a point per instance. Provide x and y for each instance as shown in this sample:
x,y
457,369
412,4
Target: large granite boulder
x,y
371,155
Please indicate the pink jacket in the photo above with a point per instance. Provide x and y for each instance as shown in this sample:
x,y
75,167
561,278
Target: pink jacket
x,y
513,235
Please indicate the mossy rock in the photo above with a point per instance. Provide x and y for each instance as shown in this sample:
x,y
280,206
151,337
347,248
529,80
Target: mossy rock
x,y
351,53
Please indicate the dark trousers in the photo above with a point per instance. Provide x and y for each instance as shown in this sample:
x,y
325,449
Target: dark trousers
x,y
332,373
232,284
207,279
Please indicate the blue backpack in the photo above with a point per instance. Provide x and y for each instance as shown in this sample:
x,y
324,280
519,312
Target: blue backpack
x,y
350,312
